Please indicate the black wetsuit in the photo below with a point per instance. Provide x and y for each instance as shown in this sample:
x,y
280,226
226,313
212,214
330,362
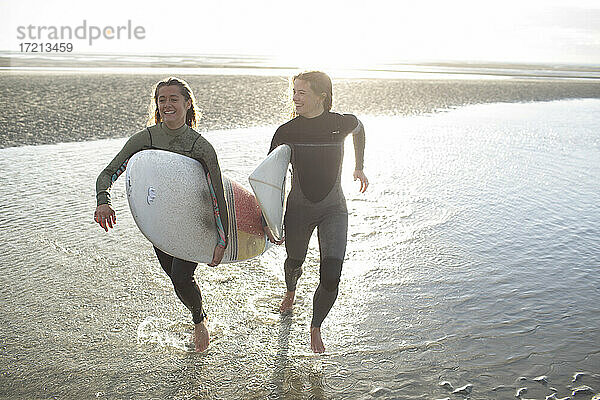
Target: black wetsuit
x,y
316,198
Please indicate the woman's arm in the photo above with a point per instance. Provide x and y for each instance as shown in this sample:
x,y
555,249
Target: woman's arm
x,y
104,214
358,137
118,165
204,152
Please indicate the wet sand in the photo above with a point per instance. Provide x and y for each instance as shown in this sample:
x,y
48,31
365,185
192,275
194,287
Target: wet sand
x,y
42,108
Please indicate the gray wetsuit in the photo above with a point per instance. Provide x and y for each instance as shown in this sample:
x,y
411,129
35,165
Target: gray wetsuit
x,y
187,142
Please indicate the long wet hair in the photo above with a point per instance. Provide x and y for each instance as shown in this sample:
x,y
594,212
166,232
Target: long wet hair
x,y
319,82
192,116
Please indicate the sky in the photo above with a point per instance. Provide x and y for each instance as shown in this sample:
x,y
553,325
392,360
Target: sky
x,y
331,32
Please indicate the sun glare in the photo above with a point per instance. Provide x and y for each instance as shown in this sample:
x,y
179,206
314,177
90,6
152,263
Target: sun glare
x,y
333,34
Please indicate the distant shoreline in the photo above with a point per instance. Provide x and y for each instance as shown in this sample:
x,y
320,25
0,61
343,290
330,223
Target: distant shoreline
x,y
266,66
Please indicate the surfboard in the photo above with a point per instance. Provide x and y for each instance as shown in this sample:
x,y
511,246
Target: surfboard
x,y
170,201
268,183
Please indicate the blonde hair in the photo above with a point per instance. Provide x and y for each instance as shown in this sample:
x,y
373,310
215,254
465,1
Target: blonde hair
x,y
192,116
319,82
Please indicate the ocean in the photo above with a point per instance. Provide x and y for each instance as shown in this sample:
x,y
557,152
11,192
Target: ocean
x,y
472,261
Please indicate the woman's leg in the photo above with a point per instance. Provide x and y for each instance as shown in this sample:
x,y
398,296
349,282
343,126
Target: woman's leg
x,y
332,244
181,273
165,260
182,276
297,235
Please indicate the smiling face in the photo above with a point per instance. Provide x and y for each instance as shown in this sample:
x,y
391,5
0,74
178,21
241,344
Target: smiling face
x,y
308,103
172,106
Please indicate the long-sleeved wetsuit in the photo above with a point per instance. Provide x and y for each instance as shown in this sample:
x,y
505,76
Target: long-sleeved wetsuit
x,y
187,142
316,198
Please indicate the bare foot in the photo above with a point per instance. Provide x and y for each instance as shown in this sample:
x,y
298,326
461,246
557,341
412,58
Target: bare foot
x,y
201,338
288,302
316,343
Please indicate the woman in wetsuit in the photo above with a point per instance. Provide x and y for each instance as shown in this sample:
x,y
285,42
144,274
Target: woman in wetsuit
x,y
174,115
316,136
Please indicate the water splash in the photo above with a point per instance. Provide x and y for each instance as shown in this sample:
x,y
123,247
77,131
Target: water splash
x,y
164,333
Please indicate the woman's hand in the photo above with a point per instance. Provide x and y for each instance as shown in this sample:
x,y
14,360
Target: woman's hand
x,y
364,182
271,237
217,256
105,216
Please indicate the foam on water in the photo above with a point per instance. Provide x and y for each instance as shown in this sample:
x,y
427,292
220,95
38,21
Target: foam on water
x,y
164,333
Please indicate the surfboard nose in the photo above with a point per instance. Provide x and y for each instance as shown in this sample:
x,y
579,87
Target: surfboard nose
x,y
268,183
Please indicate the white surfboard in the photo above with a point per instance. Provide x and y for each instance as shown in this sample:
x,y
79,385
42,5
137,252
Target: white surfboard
x,y
171,203
268,183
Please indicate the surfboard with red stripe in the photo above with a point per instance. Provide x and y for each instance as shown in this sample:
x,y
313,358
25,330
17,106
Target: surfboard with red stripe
x,y
171,204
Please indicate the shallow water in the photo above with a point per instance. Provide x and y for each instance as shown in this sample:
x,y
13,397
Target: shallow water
x,y
473,259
